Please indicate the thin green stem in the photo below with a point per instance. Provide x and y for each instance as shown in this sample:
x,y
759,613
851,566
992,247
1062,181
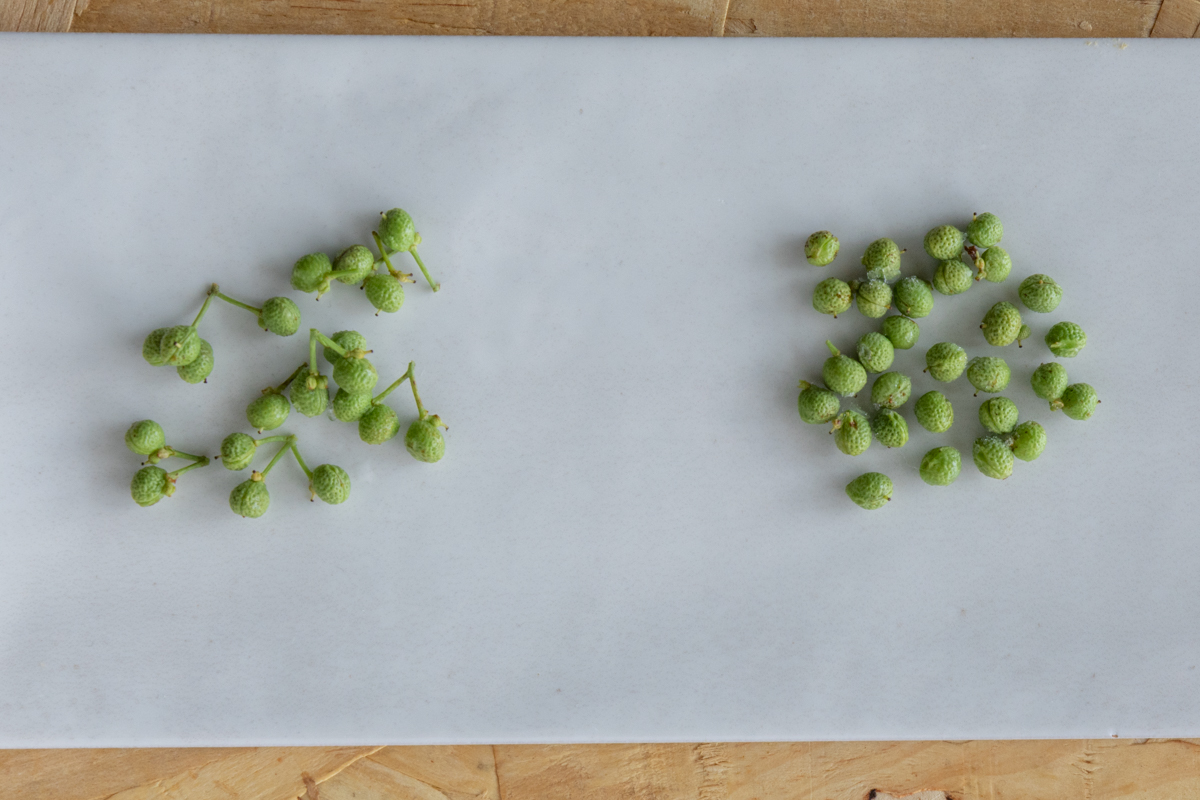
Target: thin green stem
x,y
340,273
425,272
237,303
407,375
412,381
204,307
181,454
300,461
279,455
312,355
291,378
325,340
283,437
383,253
203,462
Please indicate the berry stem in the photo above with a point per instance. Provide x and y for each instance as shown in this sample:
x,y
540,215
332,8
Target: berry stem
x,y
300,461
383,253
237,303
312,355
181,454
339,273
316,336
279,455
283,437
406,376
832,349
412,381
279,389
425,272
204,307
203,462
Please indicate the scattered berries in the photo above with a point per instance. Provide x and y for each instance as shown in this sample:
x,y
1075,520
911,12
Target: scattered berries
x,y
944,242
871,490
852,432
988,374
891,390
913,297
934,412
1001,324
945,361
882,260
875,352
1040,293
941,466
902,332
993,457
817,404
843,374
998,414
985,230
1065,339
832,296
821,248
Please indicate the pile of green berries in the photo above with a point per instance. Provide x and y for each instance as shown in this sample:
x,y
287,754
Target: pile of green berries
x,y
307,388
961,258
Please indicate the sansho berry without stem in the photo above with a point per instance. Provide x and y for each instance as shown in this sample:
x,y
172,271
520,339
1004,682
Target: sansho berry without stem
x,y
988,374
1028,440
998,414
985,230
993,265
1049,380
1078,401
843,374
1001,324
902,332
832,296
821,248
890,428
852,432
871,490
873,297
891,390
913,297
941,466
944,242
1065,339
934,412
817,404
945,361
875,352
993,457
1040,293
953,277
882,260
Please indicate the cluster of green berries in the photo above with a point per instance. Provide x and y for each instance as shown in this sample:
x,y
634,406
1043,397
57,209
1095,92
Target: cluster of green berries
x,y
315,273
964,257
250,498
152,483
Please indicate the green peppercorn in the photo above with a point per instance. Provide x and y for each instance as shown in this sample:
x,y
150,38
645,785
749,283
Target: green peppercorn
x,y
870,490
988,374
941,466
151,347
902,332
1040,293
821,248
385,292
994,264
934,412
268,412
237,451
250,498
331,484
280,316
985,230
993,457
882,260
945,361
309,272
349,407
913,297
852,432
891,390
874,298
145,437
149,485
1066,339
1028,440
1078,401
347,340
1001,324
875,352
843,374
424,441
310,394
201,367
944,242
953,277
890,428
998,414
378,424
832,296
356,260
1049,380
817,404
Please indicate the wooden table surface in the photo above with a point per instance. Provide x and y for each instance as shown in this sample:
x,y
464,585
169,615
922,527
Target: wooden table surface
x,y
995,770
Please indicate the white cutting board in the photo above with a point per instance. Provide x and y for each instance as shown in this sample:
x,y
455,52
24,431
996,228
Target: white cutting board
x,y
632,535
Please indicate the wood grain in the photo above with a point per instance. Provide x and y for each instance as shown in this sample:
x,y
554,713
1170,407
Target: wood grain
x,y
1178,18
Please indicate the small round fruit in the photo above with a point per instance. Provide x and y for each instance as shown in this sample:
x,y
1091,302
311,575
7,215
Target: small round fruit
x,y
817,404
993,457
145,437
998,414
179,346
237,451
310,402
913,297
821,248
385,292
309,272
1079,401
1065,339
832,296
852,433
891,390
250,499
988,374
874,298
396,230
349,407
953,277
902,332
996,264
944,242
1049,380
843,374
1001,324
424,441
934,412
268,412
331,484
1040,293
357,260
945,361
870,490
985,230
355,375
1028,440
149,485
152,347
201,368
941,466
348,340
378,424
281,316
882,260
875,352
890,428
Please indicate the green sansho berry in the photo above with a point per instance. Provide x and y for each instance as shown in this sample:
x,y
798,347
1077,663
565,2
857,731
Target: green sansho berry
x,y
994,265
349,407
331,484
180,346
1028,440
280,316
348,340
890,428
201,368
149,485
843,374
998,414
891,390
1040,293
945,361
250,498
993,457
308,274
268,412
396,230
385,292
902,332
870,490
953,277
988,374
424,441
152,347
355,375
913,297
934,412
832,296
875,352
874,298
817,404
1065,339
378,424
821,248
852,432
1024,333
357,260
237,451
941,466
1049,380
944,242
1078,401
882,260
310,394
145,437
985,230
1001,324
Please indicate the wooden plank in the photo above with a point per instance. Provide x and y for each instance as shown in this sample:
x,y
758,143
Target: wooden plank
x,y
38,15
422,773
1178,19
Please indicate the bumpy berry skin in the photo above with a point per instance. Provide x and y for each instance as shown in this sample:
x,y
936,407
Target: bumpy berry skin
x,y
816,404
145,437
349,407
310,402
985,230
152,347
280,316
309,272
941,466
349,340
870,490
852,433
874,298
890,428
913,297
953,277
237,451
1049,380
891,390
998,414
378,424
268,412
945,361
996,264
875,352
250,499
180,346
424,441
821,248
902,332
988,374
993,457
201,368
149,485
385,292
882,260
355,375
1040,293
1001,324
1078,401
1028,440
832,296
397,231
944,242
357,259
843,374
1065,339
934,412
331,484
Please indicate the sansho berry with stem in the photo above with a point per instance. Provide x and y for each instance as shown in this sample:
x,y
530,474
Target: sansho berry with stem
x,y
1028,440
347,340
852,432
993,457
180,345
146,438
385,292
1065,339
315,273
238,449
817,404
354,264
250,498
871,490
268,412
934,412
327,481
821,248
1078,401
352,371
944,242
397,234
941,466
902,332
843,374
985,229
890,428
891,390
913,297
199,370
945,361
873,297
998,414
988,374
310,393
1001,324
832,296
1040,293
1049,380
423,440
993,265
882,260
279,315
875,352
151,484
